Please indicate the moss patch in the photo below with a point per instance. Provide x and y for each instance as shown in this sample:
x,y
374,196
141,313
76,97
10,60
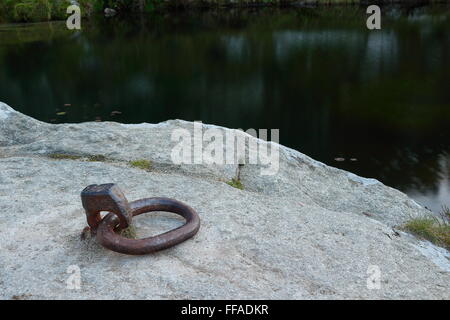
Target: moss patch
x,y
68,156
431,229
141,164
97,158
63,156
129,232
235,183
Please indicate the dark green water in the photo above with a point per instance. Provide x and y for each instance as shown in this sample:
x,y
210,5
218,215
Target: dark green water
x,y
332,87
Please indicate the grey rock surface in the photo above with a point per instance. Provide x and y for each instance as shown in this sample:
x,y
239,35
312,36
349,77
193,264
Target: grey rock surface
x,y
309,232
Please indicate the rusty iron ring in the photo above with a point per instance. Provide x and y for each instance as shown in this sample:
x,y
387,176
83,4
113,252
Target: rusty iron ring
x,y
108,238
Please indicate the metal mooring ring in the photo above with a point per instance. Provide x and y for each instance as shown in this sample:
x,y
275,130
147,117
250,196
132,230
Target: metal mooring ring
x,y
111,240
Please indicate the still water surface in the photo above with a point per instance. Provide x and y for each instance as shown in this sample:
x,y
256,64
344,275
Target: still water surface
x,y
378,101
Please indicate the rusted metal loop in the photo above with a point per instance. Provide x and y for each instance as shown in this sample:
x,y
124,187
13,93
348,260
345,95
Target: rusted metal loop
x,y
111,240
109,198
